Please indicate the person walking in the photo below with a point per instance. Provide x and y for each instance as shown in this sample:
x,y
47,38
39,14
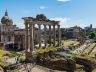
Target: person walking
x,y
28,68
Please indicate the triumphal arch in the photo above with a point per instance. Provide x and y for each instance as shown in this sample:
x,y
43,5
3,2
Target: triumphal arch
x,y
49,25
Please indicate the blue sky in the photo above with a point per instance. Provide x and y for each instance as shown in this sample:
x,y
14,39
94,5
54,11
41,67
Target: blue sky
x,y
68,12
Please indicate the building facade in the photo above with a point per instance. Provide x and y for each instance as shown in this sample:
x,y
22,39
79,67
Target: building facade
x,y
7,29
74,32
88,29
11,34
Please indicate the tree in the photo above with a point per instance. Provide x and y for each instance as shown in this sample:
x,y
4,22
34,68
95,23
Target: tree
x,y
92,34
62,31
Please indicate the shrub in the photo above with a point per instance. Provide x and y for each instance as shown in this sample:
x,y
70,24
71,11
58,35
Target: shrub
x,y
4,65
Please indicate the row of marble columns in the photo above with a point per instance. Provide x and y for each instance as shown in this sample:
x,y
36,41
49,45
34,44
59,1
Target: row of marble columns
x,y
50,35
29,36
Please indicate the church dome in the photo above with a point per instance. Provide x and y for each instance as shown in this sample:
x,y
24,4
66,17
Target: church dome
x,y
6,19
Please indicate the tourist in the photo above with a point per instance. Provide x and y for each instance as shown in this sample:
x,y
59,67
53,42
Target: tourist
x,y
28,68
16,59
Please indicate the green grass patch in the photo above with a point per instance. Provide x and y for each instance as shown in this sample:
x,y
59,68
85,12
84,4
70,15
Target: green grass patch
x,y
70,43
22,58
42,50
7,54
12,54
15,70
4,65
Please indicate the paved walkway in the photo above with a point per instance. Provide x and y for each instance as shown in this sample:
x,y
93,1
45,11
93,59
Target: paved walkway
x,y
80,49
11,60
35,69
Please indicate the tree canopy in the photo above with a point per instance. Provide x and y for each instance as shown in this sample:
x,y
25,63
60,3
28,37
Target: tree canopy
x,y
92,34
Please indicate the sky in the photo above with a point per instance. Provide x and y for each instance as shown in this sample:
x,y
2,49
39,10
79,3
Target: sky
x,y
68,12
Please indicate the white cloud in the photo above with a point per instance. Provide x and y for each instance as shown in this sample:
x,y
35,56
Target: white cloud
x,y
63,0
63,21
43,7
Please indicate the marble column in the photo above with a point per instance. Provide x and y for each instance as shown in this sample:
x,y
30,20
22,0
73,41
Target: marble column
x,y
54,35
45,36
58,35
50,37
19,42
39,26
23,42
26,37
31,37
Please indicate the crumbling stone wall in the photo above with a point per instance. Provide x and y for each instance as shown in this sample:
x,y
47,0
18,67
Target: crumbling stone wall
x,y
87,62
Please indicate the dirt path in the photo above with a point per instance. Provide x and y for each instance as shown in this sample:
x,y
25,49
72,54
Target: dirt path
x,y
35,69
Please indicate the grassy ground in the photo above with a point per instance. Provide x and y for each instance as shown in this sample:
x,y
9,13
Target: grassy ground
x,y
90,50
7,54
4,55
70,43
16,70
87,51
42,50
3,64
